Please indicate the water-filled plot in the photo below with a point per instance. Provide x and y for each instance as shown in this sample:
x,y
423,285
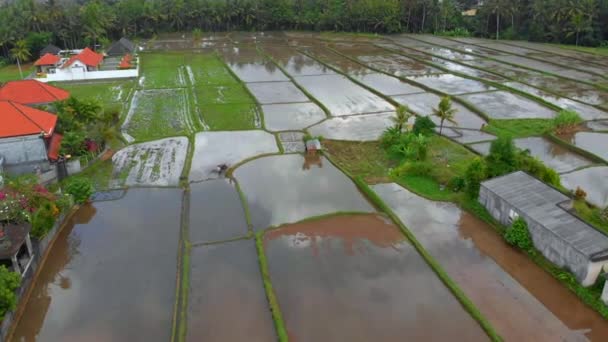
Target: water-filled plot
x,y
289,188
598,126
399,65
387,85
451,84
276,92
356,278
337,61
216,148
368,127
110,275
250,66
296,63
153,163
593,181
342,96
158,113
505,105
226,300
550,68
593,142
291,116
504,284
216,212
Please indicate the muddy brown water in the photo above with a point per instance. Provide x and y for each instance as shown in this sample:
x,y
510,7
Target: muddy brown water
x,y
110,276
216,212
522,301
290,188
355,278
227,301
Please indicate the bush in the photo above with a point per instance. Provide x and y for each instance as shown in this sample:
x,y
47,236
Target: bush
x,y
580,194
44,219
390,137
9,282
566,120
416,168
424,125
502,158
73,143
519,236
456,32
457,184
474,175
538,169
80,188
410,147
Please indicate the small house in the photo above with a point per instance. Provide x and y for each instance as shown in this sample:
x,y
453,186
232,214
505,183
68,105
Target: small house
x,y
313,146
27,138
560,236
50,49
85,61
31,92
47,63
121,48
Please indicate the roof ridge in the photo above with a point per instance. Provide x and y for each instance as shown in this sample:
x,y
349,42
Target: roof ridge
x,y
42,85
26,116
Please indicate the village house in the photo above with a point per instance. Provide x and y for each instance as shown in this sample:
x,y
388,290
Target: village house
x,y
27,138
86,60
31,92
121,47
50,49
47,63
561,237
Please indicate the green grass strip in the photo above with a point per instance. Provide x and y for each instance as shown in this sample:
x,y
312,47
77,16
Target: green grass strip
x,y
445,278
277,316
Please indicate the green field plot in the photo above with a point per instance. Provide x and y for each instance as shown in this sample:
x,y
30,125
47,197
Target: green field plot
x,y
221,94
208,69
104,92
239,116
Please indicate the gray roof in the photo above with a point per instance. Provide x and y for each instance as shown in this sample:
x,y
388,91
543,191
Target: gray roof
x,y
121,47
52,49
539,202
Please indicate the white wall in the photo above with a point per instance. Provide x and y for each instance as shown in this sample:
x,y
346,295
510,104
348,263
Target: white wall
x,y
67,75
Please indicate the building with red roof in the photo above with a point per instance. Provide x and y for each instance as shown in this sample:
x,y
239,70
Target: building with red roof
x,y
87,59
31,92
25,137
47,62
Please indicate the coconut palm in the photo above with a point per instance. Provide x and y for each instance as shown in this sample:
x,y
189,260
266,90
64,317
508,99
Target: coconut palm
x,y
402,117
20,52
444,111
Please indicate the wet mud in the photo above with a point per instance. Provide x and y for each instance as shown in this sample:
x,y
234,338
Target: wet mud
x,y
227,301
83,292
355,278
289,188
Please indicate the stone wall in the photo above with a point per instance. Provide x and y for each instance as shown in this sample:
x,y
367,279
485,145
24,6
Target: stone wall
x,y
550,245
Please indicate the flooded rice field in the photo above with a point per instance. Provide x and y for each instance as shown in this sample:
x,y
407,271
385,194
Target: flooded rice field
x,y
451,84
291,116
508,288
276,92
366,127
215,148
598,126
465,136
227,300
83,292
292,142
342,96
337,61
553,155
154,163
356,278
250,66
387,85
290,188
296,63
505,105
594,142
216,212
593,181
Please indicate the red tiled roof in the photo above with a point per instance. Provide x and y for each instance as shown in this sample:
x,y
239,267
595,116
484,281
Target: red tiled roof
x,y
87,56
55,146
31,92
48,59
18,120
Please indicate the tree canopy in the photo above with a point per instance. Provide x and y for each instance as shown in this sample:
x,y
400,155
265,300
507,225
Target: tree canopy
x,y
73,24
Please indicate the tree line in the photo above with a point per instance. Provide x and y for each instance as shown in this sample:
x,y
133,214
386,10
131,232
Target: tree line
x,y
76,23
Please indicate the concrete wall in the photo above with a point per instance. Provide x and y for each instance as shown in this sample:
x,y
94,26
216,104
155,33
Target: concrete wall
x,y
550,245
25,154
70,74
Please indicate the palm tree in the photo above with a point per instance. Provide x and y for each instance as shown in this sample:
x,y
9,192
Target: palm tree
x,y
402,117
20,52
444,111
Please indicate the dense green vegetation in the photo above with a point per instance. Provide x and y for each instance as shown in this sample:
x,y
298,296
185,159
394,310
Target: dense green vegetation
x,y
72,24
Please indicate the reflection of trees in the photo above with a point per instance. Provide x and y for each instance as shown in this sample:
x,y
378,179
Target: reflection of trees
x,y
54,271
